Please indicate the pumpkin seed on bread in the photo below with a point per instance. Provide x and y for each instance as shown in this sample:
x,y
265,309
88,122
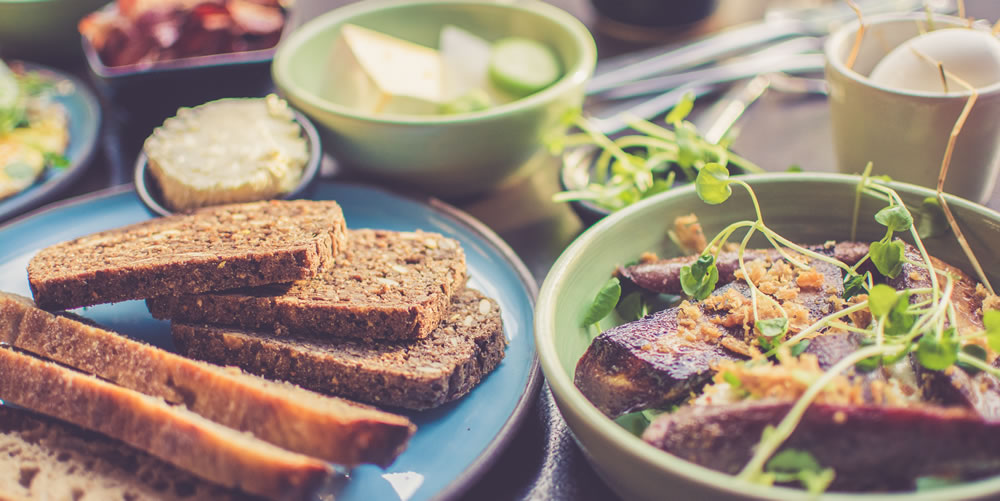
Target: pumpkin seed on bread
x,y
384,285
216,248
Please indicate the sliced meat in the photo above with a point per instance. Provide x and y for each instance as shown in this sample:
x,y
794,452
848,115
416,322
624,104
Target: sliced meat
x,y
955,387
661,359
869,447
645,364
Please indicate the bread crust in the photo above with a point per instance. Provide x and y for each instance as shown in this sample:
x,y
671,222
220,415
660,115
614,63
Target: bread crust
x,y
47,459
385,285
282,414
173,434
224,247
418,374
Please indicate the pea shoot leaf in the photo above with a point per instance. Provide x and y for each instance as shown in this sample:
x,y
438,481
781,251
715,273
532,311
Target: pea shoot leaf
x,y
772,327
794,168
791,465
895,217
681,110
871,363
936,354
732,379
991,319
800,347
975,351
855,284
931,221
765,343
712,184
900,320
881,300
630,307
604,302
698,280
887,256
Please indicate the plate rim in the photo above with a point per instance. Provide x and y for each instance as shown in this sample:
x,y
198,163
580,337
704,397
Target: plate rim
x,y
498,444
44,191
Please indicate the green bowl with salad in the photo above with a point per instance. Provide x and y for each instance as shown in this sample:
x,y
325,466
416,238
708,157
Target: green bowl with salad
x,y
450,97
804,209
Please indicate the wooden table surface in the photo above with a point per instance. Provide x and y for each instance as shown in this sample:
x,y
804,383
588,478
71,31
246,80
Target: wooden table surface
x,y
542,461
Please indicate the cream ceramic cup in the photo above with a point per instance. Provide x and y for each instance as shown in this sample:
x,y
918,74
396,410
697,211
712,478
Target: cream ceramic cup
x,y
904,133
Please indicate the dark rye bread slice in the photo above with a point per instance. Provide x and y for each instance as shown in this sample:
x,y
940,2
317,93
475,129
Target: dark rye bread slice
x,y
215,248
174,434
280,413
385,285
44,459
419,374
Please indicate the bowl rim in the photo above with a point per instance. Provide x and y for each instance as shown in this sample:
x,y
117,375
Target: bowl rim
x,y
568,396
142,177
839,36
574,75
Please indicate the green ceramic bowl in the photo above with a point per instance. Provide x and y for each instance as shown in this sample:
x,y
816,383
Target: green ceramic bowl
x,y
43,29
808,209
448,155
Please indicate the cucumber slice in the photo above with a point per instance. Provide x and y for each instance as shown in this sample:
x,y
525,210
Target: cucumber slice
x,y
522,67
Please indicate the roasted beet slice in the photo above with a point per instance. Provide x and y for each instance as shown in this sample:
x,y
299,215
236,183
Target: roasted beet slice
x,y
646,364
968,304
869,447
954,386
663,276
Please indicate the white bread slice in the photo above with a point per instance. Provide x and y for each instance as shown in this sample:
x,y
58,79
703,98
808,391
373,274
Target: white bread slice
x,y
174,434
45,459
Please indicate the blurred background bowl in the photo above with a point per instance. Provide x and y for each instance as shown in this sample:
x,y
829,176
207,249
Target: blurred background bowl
x,y
447,155
43,29
806,209
148,190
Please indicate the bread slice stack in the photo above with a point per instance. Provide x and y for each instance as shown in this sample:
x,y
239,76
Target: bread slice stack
x,y
391,323
279,288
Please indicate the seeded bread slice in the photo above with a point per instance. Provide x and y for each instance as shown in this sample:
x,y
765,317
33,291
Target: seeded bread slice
x,y
215,248
174,434
385,285
44,459
419,374
280,413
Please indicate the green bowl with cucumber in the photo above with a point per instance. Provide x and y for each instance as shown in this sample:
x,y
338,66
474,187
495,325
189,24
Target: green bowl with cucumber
x,y
449,97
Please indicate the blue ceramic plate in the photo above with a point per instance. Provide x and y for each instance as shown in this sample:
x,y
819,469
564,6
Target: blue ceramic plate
x,y
455,443
84,115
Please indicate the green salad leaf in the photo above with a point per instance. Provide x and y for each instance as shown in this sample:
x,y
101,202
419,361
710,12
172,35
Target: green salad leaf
x,y
604,303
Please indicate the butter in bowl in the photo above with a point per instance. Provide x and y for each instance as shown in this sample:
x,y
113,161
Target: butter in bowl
x,y
227,151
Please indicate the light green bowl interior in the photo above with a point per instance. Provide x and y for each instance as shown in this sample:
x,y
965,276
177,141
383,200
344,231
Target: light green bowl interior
x,y
303,63
807,209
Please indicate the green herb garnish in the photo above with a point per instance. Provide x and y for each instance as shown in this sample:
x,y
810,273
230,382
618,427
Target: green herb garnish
x,y
637,166
604,303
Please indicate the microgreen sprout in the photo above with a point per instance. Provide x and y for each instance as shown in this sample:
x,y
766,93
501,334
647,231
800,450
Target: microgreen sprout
x,y
637,166
604,303
920,320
